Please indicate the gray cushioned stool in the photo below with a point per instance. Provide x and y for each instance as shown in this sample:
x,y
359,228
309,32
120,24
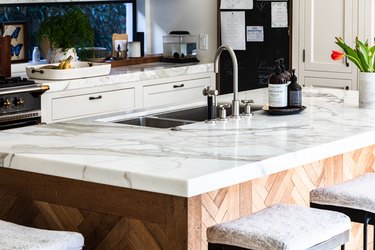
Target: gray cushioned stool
x,y
14,236
282,226
355,198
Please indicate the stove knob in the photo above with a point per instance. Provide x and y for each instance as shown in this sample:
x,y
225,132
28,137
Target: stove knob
x,y
5,103
18,102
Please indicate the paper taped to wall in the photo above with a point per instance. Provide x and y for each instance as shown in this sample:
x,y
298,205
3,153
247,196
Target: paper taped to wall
x,y
254,34
233,29
279,14
236,4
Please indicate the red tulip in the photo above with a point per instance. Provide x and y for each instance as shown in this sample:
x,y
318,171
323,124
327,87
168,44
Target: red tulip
x,y
337,55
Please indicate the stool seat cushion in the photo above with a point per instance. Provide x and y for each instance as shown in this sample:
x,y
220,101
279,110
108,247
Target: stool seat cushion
x,y
280,227
13,236
357,193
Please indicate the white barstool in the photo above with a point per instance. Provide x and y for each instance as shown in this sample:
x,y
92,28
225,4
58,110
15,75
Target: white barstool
x,y
17,237
282,226
355,198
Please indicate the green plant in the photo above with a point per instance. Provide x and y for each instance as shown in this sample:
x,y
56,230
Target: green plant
x,y
67,31
362,55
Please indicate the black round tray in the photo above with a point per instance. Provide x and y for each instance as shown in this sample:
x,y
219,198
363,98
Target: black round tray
x,y
283,111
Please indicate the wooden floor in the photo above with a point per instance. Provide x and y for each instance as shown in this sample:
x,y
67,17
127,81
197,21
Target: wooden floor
x,y
118,218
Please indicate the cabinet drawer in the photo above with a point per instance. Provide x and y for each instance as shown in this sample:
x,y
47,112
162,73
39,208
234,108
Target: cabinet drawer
x,y
173,92
94,103
328,83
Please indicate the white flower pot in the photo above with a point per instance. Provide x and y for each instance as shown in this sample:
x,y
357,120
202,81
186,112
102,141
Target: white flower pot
x,y
55,55
366,89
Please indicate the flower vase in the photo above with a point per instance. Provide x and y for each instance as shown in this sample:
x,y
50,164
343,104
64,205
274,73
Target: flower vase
x,y
366,90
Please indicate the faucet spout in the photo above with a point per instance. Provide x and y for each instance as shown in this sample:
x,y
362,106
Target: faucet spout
x,y
235,101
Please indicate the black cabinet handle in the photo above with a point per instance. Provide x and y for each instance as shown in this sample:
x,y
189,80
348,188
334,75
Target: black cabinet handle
x,y
95,97
346,62
178,86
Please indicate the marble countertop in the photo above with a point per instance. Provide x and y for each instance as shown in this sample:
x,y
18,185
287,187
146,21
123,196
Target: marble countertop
x,y
126,74
201,157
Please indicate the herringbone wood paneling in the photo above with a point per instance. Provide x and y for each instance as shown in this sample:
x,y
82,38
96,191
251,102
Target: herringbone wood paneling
x,y
117,218
293,187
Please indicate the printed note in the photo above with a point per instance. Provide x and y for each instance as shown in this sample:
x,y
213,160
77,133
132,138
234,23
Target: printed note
x,y
236,4
254,34
233,29
279,14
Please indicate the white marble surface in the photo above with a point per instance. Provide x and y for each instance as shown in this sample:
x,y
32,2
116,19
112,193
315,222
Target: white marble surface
x,y
125,74
199,158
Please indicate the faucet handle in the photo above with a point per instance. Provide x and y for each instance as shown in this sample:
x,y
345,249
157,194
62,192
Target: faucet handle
x,y
247,101
209,91
223,112
247,107
224,106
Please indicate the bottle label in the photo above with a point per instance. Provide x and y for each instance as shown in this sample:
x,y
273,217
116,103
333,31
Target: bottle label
x,y
278,95
295,98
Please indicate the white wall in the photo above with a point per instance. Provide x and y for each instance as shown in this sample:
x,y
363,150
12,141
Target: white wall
x,y
158,17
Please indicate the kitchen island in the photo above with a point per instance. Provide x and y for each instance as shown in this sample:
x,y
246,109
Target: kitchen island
x,y
129,187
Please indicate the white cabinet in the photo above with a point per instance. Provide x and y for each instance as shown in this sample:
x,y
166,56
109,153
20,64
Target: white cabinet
x,y
91,101
366,20
319,22
183,90
65,105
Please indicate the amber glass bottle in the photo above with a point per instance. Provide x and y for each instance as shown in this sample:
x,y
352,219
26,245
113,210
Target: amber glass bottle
x,y
284,71
277,89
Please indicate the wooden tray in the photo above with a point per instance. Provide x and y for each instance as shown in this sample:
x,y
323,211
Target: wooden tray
x,y
79,70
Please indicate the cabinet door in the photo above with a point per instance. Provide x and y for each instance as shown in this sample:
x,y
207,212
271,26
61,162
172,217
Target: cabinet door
x,y
325,20
174,92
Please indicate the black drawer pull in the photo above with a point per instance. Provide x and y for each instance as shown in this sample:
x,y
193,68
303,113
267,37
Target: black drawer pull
x,y
95,97
178,86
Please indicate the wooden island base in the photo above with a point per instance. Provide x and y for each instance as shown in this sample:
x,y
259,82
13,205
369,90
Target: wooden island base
x,y
119,218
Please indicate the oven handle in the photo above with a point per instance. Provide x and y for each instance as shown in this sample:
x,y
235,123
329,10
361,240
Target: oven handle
x,y
15,90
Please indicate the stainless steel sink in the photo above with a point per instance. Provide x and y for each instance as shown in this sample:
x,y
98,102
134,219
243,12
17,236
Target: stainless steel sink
x,y
175,118
149,121
192,114
198,113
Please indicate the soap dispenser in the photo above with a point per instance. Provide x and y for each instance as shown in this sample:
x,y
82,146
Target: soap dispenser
x,y
284,71
277,88
294,92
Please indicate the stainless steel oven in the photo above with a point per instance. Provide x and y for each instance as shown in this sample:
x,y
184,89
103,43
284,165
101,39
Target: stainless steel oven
x,y
20,102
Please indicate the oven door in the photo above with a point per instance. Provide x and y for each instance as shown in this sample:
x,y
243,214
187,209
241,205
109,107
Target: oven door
x,y
19,120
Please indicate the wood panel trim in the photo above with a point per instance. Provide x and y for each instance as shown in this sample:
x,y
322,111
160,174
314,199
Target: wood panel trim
x,y
85,195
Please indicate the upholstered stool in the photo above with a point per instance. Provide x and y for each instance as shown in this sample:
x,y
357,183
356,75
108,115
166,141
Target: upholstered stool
x,y
355,198
282,227
13,236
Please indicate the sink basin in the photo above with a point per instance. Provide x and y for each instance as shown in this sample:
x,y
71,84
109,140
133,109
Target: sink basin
x,y
175,118
198,113
192,114
149,121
